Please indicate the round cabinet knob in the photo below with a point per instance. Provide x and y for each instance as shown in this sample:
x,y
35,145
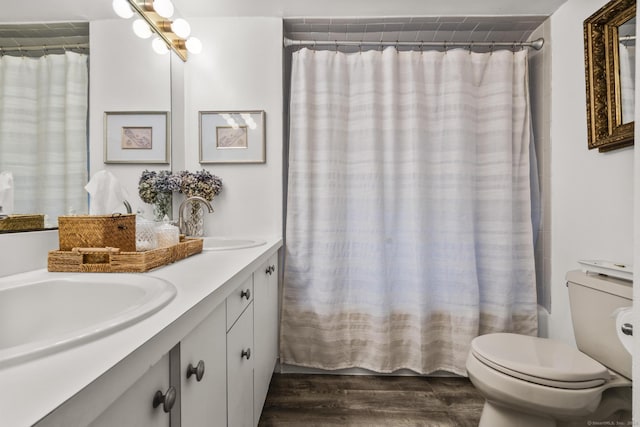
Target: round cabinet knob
x,y
246,353
245,294
197,370
167,400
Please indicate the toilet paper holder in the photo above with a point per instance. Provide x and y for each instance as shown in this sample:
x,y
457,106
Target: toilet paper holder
x,y
627,329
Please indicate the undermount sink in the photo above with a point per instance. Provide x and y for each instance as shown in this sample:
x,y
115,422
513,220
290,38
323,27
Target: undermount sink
x,y
46,314
227,243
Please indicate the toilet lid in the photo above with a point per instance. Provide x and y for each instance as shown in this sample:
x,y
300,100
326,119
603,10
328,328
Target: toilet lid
x,y
539,360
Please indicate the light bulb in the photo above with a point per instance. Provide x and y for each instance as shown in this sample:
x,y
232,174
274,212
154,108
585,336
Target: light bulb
x,y
194,45
141,28
159,46
122,9
163,8
181,28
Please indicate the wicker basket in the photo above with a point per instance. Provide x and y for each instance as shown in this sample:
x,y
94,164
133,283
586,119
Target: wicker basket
x,y
112,260
97,231
22,222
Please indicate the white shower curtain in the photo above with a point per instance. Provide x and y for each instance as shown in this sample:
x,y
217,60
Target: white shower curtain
x,y
409,210
43,131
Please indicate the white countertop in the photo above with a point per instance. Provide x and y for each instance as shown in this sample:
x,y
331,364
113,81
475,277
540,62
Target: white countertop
x,y
31,390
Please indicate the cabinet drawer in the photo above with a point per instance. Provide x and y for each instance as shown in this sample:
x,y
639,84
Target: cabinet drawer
x,y
238,301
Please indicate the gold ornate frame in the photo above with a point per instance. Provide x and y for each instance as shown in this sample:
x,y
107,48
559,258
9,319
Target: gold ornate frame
x,y
602,71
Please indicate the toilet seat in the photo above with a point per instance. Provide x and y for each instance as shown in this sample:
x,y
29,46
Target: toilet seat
x,y
539,360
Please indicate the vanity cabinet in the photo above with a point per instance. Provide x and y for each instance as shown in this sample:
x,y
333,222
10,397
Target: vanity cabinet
x,y
240,356
265,309
203,382
134,408
216,372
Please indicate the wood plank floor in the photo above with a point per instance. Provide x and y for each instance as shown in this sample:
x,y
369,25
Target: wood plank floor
x,y
347,400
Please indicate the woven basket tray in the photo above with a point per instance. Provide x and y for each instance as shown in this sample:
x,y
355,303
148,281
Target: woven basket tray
x,y
22,222
112,260
97,231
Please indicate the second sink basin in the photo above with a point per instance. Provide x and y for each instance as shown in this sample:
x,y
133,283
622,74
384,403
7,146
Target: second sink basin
x,y
227,243
46,314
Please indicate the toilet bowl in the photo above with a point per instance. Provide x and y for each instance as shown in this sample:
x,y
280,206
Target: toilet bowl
x,y
539,382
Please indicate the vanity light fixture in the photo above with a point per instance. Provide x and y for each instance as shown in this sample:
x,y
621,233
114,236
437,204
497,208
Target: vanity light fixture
x,y
159,46
163,8
122,8
155,18
181,27
141,29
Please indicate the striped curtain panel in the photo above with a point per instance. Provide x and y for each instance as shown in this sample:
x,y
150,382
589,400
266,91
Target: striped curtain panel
x,y
408,226
43,131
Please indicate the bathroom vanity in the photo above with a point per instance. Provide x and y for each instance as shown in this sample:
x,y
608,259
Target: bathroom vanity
x,y
206,358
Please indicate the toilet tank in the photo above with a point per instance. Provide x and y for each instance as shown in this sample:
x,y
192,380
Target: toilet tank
x,y
594,300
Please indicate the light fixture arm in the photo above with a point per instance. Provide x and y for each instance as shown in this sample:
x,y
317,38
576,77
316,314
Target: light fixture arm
x,y
160,26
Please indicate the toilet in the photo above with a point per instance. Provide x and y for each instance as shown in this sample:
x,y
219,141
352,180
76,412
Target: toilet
x,y
539,382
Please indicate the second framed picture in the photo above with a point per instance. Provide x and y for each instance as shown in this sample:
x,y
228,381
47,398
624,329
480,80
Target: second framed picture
x,y
232,137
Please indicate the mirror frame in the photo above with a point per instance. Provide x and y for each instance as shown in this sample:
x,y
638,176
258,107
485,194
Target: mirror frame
x,y
606,131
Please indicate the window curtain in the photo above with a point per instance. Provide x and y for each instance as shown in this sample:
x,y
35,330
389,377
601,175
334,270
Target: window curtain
x,y
43,131
408,226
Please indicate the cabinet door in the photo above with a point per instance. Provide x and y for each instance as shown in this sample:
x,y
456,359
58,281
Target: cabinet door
x,y
204,401
135,407
265,307
240,359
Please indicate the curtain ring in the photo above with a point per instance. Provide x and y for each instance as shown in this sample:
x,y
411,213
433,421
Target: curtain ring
x,y
397,47
421,46
445,46
470,47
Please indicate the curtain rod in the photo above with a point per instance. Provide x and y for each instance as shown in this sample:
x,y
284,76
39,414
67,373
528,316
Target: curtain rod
x,y
535,44
43,47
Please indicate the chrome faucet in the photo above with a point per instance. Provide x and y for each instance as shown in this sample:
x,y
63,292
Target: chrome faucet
x,y
181,223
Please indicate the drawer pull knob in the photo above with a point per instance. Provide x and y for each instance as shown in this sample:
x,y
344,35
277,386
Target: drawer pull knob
x,y
167,400
197,370
246,353
245,294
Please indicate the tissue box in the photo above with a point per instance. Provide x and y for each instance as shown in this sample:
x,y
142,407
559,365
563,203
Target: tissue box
x,y
97,231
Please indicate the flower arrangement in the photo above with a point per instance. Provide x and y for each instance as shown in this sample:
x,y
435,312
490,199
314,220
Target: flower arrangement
x,y
153,185
201,183
156,188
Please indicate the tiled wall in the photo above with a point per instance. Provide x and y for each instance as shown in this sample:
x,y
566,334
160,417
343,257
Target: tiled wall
x,y
540,92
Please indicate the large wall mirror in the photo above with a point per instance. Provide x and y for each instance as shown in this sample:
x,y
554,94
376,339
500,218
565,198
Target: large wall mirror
x,y
609,41
125,75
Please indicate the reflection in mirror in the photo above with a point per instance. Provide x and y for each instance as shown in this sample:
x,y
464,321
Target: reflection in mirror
x,y
43,119
627,57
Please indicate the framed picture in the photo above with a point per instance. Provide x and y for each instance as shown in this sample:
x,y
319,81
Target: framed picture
x,y
232,137
136,137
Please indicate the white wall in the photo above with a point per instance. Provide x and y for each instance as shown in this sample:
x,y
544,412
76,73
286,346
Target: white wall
x,y
125,75
591,192
240,68
636,256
